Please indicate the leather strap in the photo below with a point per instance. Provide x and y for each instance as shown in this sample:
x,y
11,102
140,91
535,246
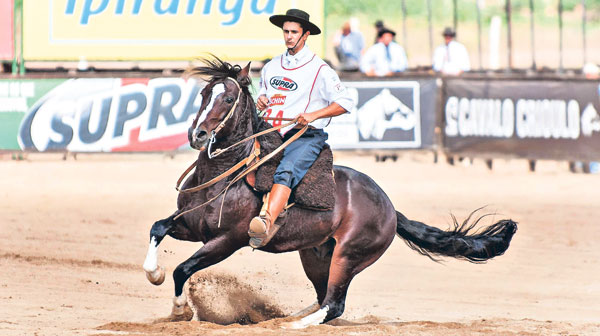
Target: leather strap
x,y
246,171
255,153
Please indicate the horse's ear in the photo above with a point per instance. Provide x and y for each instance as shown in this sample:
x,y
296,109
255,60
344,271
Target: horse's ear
x,y
243,77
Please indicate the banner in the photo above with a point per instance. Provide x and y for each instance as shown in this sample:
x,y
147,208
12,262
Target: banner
x,y
159,29
16,96
388,115
6,30
530,119
112,115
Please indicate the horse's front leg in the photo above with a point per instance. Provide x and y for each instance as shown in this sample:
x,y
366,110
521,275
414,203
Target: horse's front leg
x,y
154,273
214,251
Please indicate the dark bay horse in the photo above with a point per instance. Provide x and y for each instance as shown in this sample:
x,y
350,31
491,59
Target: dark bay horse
x,y
334,245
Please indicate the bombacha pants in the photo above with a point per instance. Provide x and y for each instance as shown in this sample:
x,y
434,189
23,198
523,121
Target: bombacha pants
x,y
299,156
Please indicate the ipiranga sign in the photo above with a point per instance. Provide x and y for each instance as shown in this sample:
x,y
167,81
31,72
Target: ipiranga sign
x,y
158,29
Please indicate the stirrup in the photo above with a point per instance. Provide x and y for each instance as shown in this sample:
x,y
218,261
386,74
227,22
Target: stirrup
x,y
260,239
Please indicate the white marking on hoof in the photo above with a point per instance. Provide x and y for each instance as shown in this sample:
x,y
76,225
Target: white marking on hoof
x,y
310,320
179,303
151,263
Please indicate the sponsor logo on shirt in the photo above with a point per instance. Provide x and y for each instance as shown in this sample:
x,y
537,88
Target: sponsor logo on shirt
x,y
283,83
277,99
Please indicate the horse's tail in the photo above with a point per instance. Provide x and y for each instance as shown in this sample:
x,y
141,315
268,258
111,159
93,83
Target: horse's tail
x,y
477,247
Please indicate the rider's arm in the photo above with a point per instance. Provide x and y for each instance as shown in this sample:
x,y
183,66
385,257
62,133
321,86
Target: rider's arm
x,y
334,91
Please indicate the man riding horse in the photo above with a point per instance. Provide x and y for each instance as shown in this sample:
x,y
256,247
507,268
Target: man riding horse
x,y
296,84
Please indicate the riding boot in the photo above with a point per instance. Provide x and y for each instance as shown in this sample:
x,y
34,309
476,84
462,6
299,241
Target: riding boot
x,y
263,227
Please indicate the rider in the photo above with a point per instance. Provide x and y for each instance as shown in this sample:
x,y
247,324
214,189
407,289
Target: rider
x,y
294,84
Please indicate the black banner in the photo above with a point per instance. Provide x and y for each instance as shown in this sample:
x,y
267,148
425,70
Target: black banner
x,y
523,118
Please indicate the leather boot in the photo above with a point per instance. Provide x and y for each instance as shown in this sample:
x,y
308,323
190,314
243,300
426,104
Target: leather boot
x,y
263,227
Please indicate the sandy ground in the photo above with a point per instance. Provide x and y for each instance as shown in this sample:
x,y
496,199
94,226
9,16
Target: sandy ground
x,y
74,235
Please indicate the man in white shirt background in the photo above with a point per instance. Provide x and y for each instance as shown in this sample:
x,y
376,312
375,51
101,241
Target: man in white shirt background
x,y
451,58
384,58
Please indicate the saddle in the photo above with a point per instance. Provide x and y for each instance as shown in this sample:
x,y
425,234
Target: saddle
x,y
316,191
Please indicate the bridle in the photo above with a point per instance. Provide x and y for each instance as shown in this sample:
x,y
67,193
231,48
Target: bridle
x,y
213,133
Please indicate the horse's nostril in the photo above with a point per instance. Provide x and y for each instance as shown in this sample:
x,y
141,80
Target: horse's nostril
x,y
201,135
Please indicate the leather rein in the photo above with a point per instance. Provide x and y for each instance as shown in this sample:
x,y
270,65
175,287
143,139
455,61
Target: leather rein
x,y
250,162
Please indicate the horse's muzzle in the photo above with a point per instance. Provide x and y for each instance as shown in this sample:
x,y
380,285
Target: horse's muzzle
x,y
198,138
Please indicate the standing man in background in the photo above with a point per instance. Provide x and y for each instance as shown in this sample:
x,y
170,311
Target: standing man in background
x,y
384,58
452,57
349,48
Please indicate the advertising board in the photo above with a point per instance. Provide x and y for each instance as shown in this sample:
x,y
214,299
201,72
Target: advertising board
x,y
158,29
530,119
388,115
111,115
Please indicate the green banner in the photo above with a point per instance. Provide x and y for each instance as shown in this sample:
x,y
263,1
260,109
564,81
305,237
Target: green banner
x,y
17,96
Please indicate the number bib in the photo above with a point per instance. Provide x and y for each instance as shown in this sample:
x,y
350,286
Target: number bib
x,y
293,91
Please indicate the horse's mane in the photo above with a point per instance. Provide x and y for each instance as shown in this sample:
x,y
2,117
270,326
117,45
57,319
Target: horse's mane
x,y
216,69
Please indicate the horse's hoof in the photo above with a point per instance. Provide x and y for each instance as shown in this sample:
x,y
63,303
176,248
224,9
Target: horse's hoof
x,y
181,313
157,277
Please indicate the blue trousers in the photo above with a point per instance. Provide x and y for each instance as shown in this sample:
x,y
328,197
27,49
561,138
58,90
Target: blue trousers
x,y
299,156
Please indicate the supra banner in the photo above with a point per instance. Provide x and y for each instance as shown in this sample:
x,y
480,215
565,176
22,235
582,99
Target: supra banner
x,y
6,30
111,115
531,119
388,115
141,114
158,29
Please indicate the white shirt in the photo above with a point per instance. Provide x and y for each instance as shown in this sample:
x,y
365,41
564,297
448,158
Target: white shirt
x,y
451,59
301,83
376,58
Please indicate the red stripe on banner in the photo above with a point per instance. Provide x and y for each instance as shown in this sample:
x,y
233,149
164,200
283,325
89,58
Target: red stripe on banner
x,y
129,81
6,30
167,143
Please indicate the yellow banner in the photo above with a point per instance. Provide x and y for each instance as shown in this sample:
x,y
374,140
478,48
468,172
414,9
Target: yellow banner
x,y
159,29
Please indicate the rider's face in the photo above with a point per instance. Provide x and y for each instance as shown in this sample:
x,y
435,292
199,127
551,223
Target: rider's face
x,y
292,32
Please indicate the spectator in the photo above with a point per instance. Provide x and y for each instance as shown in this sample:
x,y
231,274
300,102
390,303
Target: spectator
x,y
385,57
452,57
349,48
378,27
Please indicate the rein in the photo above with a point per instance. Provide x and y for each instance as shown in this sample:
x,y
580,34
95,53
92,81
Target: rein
x,y
238,165
249,162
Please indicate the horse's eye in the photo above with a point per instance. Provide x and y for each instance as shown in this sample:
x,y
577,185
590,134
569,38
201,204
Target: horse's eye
x,y
229,100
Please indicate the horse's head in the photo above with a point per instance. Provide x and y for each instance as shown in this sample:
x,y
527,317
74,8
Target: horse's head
x,y
223,98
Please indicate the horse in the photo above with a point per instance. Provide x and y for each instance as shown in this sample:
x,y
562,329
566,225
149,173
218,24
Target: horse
x,y
334,245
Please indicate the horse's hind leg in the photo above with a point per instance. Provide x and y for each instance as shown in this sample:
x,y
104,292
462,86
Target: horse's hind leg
x,y
212,252
316,262
154,273
347,261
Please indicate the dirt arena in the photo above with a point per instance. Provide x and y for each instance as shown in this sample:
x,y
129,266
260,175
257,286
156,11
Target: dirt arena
x,y
75,234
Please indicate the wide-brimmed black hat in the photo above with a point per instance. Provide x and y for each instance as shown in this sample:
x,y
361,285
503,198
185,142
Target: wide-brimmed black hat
x,y
449,31
385,30
296,15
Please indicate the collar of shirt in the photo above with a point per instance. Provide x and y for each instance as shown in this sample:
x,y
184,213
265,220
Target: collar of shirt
x,y
301,57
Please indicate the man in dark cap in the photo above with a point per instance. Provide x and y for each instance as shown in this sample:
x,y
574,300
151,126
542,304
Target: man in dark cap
x,y
294,84
384,58
452,57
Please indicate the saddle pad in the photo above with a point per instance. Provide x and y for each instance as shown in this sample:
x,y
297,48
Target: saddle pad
x,y
317,188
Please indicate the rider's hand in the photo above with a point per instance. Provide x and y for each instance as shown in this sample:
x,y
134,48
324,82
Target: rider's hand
x,y
306,118
262,102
